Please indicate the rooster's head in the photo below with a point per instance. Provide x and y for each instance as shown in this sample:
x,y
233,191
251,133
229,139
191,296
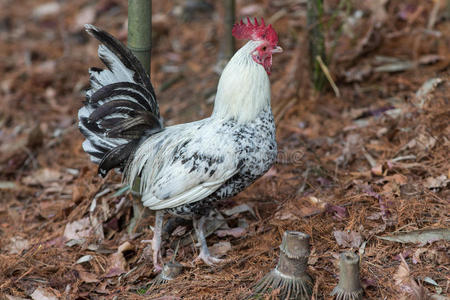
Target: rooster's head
x,y
267,37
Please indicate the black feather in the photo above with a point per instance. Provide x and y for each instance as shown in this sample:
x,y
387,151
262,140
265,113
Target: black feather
x,y
117,89
113,107
145,120
110,123
116,157
125,56
121,114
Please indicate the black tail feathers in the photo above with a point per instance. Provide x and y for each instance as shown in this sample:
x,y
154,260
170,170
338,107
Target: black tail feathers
x,y
120,108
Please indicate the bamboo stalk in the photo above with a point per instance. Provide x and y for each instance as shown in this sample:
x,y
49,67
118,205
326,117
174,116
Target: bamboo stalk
x,y
316,42
140,30
230,7
140,43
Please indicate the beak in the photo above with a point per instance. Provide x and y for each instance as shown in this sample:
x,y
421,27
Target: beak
x,y
278,49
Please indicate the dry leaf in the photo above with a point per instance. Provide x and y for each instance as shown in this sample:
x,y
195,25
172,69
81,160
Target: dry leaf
x,y
46,9
85,16
351,239
43,294
423,93
78,230
220,249
179,231
117,265
358,73
42,177
84,259
235,232
88,277
406,284
436,182
8,185
127,246
417,253
285,214
397,178
377,170
420,236
9,297
378,10
17,245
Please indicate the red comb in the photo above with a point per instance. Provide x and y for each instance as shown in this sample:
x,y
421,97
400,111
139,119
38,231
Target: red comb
x,y
255,32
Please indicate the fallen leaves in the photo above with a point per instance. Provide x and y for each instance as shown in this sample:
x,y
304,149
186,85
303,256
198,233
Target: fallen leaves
x,y
46,9
302,207
423,93
43,294
220,249
234,232
88,277
423,236
42,177
378,10
85,16
78,230
16,245
436,182
406,284
348,239
117,263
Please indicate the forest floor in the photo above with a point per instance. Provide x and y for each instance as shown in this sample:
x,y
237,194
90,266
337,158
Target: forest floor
x,y
354,168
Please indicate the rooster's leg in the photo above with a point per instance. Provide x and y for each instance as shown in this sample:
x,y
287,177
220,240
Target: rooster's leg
x,y
199,227
156,241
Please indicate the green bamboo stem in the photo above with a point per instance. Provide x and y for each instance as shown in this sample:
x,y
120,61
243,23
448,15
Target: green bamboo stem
x,y
230,7
140,41
140,30
316,42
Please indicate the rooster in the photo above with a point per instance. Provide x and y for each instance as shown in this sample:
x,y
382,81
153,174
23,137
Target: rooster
x,y
184,169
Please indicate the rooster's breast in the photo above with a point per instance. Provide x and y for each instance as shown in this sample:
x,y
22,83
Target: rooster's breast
x,y
256,152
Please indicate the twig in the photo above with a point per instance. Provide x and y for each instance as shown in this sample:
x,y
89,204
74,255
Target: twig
x,y
400,158
433,14
328,76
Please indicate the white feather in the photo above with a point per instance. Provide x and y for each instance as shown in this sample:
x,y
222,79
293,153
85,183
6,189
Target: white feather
x,y
244,87
118,72
166,182
194,194
88,148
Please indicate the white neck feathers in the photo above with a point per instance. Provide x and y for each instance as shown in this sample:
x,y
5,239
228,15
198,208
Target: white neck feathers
x,y
244,87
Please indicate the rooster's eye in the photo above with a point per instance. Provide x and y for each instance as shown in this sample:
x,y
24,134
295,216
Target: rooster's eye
x,y
264,48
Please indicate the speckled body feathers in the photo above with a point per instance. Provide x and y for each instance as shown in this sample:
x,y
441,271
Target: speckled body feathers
x,y
255,149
